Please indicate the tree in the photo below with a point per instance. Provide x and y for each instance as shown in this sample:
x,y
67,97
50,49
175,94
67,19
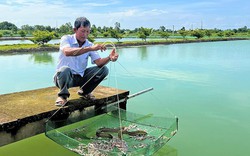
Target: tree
x,y
105,34
104,29
117,26
99,29
42,37
183,32
164,34
6,32
94,31
28,29
115,34
220,34
14,30
22,33
183,28
162,28
228,33
66,28
208,33
144,33
243,29
48,28
197,33
142,36
39,27
7,26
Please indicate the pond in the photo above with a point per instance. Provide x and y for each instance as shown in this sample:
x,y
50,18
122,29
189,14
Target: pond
x,y
205,84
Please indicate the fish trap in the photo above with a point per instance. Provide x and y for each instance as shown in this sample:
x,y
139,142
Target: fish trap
x,y
115,133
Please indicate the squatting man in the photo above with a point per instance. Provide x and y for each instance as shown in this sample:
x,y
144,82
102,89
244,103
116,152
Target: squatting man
x,y
72,71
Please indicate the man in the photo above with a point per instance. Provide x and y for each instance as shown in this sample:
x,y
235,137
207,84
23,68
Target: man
x,y
72,68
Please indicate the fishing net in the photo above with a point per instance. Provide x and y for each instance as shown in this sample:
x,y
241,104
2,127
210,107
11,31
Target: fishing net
x,y
116,132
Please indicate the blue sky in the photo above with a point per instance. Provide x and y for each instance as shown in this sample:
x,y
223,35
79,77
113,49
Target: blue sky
x,y
221,14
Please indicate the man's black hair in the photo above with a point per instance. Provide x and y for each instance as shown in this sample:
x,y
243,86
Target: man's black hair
x,y
81,21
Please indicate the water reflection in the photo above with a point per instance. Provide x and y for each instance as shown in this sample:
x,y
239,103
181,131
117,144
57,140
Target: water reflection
x,y
10,42
201,79
142,51
166,151
42,57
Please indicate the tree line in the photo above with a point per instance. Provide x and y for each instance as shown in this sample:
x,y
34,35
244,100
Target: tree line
x,y
41,34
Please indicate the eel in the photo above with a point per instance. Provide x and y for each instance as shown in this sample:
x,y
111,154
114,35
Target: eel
x,y
105,132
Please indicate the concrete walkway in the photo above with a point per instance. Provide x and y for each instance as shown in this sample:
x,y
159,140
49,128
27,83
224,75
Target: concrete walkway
x,y
21,108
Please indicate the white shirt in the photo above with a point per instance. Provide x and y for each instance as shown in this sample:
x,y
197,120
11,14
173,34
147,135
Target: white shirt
x,y
79,63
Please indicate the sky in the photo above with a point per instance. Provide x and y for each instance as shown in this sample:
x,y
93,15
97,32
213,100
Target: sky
x,y
174,14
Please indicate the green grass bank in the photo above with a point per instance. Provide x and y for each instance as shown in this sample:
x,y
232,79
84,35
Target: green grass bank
x,y
24,48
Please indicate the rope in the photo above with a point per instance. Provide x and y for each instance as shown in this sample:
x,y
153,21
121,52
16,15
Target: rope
x,y
118,101
114,47
105,43
116,86
139,82
93,75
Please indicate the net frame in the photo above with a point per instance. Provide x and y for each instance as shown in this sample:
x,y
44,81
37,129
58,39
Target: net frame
x,y
80,135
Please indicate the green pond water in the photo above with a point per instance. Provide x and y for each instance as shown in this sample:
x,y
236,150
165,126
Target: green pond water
x,y
206,85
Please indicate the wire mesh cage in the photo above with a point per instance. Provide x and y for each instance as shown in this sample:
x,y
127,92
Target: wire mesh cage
x,y
117,132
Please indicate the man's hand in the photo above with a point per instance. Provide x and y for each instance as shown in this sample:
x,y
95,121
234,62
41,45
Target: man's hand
x,y
113,56
98,47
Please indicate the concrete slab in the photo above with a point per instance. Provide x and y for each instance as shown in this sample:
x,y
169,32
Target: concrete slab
x,y
40,103
23,114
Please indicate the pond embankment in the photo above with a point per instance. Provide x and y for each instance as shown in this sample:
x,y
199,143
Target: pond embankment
x,y
23,48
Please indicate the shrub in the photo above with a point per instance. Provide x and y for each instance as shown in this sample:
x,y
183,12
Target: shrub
x,y
42,37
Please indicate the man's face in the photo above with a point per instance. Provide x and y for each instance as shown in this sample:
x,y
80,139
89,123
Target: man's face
x,y
82,33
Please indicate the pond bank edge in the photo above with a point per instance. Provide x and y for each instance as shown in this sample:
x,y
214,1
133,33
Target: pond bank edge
x,y
123,44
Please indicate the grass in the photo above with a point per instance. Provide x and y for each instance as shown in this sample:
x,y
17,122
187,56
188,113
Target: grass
x,y
18,46
26,47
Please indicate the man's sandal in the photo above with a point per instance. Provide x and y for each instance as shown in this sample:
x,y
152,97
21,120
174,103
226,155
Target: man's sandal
x,y
60,101
89,96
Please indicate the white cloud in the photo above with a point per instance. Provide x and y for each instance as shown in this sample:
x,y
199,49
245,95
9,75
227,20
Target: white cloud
x,y
106,13
96,4
158,12
127,13
34,13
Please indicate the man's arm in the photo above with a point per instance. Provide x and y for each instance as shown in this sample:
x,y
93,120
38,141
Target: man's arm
x,y
70,51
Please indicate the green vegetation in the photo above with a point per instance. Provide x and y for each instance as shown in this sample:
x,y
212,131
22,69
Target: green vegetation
x,y
22,33
116,32
41,35
165,34
198,34
10,30
27,48
18,46
144,33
